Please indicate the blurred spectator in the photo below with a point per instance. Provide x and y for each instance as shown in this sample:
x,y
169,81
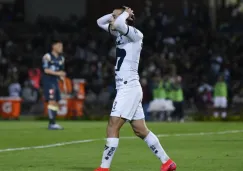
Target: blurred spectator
x,y
29,93
178,99
238,98
216,64
104,97
205,96
220,98
35,76
14,88
161,106
91,99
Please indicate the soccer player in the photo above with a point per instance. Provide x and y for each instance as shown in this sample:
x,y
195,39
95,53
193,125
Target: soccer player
x,y
53,66
220,98
127,104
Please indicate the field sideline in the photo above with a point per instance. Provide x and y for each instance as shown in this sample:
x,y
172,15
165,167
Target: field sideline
x,y
29,146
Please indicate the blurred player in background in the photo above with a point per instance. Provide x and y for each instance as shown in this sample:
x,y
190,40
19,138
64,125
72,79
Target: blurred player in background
x,y
220,98
178,98
127,104
53,66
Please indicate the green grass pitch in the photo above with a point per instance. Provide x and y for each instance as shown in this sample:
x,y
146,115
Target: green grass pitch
x,y
192,151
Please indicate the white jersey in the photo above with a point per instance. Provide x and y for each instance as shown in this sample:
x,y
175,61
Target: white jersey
x,y
128,48
127,60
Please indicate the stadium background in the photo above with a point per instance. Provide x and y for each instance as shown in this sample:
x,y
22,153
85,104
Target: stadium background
x,y
196,40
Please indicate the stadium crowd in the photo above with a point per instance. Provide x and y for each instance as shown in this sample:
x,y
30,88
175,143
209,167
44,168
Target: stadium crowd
x,y
184,46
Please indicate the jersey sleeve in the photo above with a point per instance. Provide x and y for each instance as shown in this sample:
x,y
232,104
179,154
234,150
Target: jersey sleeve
x,y
45,61
103,23
128,31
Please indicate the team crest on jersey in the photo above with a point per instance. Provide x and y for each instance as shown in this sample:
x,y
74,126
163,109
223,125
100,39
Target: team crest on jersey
x,y
53,67
119,40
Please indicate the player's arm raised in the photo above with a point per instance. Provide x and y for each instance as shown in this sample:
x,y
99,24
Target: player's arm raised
x,y
49,70
121,26
104,23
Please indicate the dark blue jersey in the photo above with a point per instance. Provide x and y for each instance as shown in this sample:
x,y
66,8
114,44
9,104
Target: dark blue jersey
x,y
53,63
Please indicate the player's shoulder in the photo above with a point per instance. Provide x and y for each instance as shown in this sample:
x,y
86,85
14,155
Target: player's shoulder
x,y
136,31
47,56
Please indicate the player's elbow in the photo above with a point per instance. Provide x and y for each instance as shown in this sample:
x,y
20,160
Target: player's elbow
x,y
99,22
117,25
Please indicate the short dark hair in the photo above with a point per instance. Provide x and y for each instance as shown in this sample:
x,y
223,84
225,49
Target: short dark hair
x,y
55,40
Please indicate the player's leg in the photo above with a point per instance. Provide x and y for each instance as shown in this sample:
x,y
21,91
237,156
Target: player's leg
x,y
175,113
57,99
115,123
224,113
169,109
181,112
51,95
52,111
140,129
216,107
224,105
112,141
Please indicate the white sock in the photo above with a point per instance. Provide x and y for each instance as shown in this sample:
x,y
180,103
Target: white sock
x,y
155,146
109,151
216,114
224,115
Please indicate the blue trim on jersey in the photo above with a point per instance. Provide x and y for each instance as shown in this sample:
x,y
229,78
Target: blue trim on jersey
x,y
127,31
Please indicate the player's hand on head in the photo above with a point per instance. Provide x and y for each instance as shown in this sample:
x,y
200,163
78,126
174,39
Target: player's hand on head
x,y
128,9
130,12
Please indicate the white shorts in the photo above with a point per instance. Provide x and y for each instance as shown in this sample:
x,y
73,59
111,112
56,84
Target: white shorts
x,y
159,105
128,103
220,102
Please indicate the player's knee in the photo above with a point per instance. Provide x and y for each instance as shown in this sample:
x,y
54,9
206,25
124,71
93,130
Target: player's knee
x,y
137,133
141,133
114,126
111,127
